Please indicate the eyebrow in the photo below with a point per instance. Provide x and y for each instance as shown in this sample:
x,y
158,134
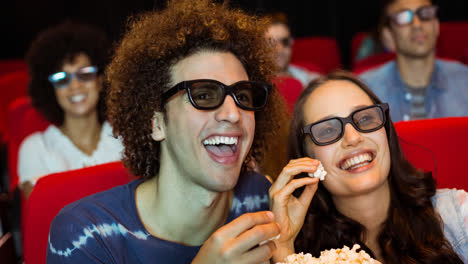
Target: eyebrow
x,y
352,110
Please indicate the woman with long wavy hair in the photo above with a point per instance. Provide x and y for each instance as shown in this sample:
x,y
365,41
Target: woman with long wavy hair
x,y
371,196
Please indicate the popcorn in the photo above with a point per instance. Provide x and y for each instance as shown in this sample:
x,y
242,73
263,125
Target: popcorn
x,y
337,256
319,173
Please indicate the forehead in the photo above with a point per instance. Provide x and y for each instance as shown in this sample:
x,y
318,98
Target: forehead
x,y
215,65
334,98
78,61
278,31
406,4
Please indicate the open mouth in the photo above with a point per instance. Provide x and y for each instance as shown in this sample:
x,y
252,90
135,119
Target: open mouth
x,y
77,98
221,146
357,161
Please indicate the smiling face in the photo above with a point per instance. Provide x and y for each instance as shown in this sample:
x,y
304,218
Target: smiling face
x,y
207,147
79,98
417,39
280,34
358,163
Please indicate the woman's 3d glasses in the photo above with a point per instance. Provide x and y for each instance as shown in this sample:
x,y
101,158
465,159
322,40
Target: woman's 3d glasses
x,y
206,94
405,17
364,120
63,79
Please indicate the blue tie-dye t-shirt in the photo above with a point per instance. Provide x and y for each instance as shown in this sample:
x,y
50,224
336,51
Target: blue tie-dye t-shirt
x,y
105,227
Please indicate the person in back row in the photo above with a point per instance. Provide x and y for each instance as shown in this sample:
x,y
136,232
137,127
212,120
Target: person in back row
x,y
417,85
66,64
191,99
280,35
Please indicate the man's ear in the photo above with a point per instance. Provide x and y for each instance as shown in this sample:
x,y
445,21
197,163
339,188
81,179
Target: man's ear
x,y
158,127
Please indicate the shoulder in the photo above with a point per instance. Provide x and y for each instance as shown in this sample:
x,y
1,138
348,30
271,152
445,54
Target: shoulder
x,y
452,67
379,72
37,141
81,228
252,181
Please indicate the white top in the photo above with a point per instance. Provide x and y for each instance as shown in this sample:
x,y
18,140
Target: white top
x,y
302,75
47,152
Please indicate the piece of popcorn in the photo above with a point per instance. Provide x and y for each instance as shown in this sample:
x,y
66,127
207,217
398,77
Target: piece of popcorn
x,y
319,173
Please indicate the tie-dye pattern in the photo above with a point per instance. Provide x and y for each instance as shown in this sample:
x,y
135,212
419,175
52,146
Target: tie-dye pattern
x,y
105,228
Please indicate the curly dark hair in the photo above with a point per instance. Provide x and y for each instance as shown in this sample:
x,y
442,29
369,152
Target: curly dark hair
x,y
141,70
412,232
54,47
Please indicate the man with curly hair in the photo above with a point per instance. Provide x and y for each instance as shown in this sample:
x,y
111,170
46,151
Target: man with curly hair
x,y
190,98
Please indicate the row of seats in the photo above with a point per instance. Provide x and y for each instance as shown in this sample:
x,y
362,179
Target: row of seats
x,y
321,54
418,139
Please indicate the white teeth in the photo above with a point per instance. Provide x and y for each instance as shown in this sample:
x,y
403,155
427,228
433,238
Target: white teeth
x,y
78,98
220,140
356,160
319,173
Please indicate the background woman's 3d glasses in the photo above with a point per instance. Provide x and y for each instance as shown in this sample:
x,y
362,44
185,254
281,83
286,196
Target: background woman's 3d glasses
x,y
63,79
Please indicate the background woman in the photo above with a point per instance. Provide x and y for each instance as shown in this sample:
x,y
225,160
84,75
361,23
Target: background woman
x,y
65,65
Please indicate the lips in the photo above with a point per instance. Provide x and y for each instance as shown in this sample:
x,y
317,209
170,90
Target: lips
x,y
356,161
223,149
77,98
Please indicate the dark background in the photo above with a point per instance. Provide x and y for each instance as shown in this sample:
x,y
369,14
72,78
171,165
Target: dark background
x,y
21,20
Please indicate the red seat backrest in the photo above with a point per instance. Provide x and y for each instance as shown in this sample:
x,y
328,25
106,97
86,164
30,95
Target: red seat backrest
x,y
12,86
322,51
453,40
12,65
55,191
438,145
23,120
289,88
371,62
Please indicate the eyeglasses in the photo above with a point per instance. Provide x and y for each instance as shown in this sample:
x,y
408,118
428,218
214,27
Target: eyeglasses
x,y
206,94
405,17
63,79
364,120
286,42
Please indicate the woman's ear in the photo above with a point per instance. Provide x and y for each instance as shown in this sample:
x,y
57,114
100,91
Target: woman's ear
x,y
158,127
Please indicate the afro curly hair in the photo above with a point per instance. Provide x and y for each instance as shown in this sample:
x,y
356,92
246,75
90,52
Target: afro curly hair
x,y
54,47
140,71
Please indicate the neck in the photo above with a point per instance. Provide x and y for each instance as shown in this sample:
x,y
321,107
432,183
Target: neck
x,y
84,132
166,203
370,210
416,72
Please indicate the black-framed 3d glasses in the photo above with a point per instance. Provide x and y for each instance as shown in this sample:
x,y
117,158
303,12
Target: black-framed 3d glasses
x,y
405,17
366,120
63,79
207,94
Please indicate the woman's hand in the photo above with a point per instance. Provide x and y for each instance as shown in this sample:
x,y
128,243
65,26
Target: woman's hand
x,y
290,211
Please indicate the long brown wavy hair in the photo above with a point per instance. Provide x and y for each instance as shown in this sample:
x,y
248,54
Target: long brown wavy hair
x,y
412,232
155,41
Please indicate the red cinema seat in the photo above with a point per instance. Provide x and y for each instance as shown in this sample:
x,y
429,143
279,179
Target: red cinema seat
x,y
289,88
453,40
322,51
12,86
23,120
12,65
55,191
437,145
372,62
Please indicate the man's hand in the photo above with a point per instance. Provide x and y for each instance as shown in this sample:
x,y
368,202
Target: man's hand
x,y
237,242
